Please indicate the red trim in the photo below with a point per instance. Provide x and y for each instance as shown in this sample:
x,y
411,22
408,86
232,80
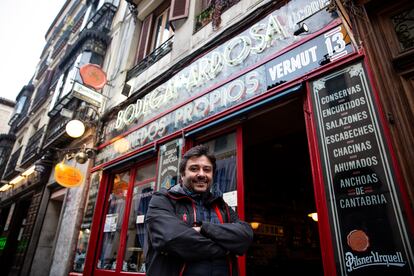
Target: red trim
x,y
182,269
327,251
124,227
99,233
404,197
122,157
230,264
178,197
194,211
220,217
240,174
95,227
240,191
218,213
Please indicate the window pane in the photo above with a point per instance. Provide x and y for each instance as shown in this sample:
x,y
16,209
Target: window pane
x,y
143,189
84,233
113,222
158,34
134,256
162,31
224,147
167,30
146,172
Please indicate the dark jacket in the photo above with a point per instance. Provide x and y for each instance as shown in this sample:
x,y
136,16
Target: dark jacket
x,y
174,248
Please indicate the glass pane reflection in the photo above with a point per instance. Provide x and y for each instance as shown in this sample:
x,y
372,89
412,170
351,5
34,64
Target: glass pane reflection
x,y
113,222
224,148
134,257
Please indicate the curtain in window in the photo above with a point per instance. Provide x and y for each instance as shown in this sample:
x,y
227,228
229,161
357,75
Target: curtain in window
x,y
225,174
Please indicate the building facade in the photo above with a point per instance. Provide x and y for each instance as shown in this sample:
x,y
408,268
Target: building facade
x,y
39,216
306,104
285,94
6,110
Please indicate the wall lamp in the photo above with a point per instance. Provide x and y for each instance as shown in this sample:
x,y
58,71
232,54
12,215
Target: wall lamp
x,y
313,216
86,115
303,28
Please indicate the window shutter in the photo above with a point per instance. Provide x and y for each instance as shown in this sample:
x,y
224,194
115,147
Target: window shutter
x,y
179,9
144,39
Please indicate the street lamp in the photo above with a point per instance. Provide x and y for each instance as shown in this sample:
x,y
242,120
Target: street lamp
x,y
75,128
85,115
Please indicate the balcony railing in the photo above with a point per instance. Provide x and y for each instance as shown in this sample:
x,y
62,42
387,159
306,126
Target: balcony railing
x,y
11,166
56,133
33,146
6,146
152,58
55,130
42,93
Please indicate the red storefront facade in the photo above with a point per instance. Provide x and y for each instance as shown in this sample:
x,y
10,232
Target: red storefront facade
x,y
298,127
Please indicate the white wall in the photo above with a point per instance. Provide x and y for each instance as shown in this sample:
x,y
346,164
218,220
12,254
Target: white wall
x,y
5,113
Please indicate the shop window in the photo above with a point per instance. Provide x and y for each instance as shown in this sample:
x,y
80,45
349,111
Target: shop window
x,y
126,256
85,230
113,221
143,188
224,148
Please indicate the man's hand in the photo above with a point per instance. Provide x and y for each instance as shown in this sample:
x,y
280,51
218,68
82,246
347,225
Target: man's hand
x,y
197,228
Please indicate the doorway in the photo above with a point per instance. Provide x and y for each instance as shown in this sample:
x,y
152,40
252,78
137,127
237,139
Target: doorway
x,y
279,193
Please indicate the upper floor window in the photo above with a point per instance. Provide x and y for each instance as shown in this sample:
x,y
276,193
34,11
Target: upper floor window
x,y
19,109
162,30
403,24
155,31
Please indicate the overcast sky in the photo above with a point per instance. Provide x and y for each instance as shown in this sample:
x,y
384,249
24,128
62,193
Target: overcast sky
x,y
23,25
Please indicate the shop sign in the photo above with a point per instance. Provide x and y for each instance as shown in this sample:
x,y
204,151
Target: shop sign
x,y
229,95
368,224
325,48
237,91
268,36
93,75
68,176
88,95
169,160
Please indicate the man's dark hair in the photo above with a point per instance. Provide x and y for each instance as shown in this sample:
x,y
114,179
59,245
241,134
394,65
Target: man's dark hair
x,y
197,151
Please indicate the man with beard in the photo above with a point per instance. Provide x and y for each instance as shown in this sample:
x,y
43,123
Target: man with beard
x,y
190,230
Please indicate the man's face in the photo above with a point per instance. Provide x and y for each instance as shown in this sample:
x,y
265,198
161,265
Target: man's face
x,y
198,174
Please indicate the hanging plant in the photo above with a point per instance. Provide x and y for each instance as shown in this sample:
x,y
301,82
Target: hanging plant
x,y
218,7
204,18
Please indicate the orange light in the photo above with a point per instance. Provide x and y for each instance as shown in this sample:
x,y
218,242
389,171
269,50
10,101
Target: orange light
x,y
255,225
68,176
314,216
